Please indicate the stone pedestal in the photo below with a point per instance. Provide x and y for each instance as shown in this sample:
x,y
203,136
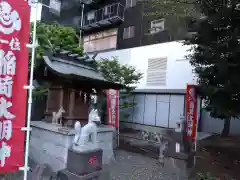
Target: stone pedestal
x,y
82,165
67,175
49,145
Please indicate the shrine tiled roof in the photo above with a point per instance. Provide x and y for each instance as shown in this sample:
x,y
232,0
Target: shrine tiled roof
x,y
70,64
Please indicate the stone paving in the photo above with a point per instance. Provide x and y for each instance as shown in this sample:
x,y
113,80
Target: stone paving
x,y
131,166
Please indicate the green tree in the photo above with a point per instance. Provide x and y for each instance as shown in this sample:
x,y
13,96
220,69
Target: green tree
x,y
177,8
177,14
113,71
126,75
52,37
215,58
203,176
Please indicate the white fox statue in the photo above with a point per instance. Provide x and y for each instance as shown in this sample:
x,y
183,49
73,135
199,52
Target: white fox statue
x,y
57,116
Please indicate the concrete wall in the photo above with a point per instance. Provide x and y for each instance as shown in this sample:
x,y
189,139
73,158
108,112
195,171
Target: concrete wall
x,y
49,145
212,125
179,70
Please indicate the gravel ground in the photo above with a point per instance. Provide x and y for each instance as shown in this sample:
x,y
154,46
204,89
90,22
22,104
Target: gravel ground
x,y
131,166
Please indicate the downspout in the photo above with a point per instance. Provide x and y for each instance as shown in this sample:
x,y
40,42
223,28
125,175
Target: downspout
x,y
81,24
141,28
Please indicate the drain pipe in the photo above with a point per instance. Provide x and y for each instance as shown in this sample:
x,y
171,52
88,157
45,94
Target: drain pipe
x,y
81,24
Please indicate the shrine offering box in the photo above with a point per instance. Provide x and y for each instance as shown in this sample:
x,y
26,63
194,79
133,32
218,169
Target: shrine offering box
x,y
86,162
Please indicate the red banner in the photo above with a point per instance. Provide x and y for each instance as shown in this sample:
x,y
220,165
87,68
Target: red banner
x,y
191,112
112,107
14,35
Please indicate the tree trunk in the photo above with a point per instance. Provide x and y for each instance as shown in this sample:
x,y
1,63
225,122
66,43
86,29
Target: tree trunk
x,y
226,128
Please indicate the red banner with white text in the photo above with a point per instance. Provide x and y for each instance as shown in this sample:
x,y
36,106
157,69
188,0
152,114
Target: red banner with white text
x,y
191,112
14,35
112,107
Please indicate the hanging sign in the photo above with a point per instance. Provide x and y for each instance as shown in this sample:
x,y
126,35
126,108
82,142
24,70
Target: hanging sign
x,y
14,35
191,112
112,107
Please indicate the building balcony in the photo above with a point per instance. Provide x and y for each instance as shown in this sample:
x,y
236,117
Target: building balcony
x,y
106,16
88,2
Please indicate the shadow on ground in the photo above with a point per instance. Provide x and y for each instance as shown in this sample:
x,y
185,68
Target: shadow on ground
x,y
220,157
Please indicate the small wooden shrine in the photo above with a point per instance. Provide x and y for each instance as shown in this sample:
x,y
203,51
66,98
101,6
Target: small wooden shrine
x,y
72,78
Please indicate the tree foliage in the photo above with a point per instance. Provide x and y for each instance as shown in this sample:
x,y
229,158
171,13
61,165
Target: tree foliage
x,y
205,176
52,36
215,57
177,14
166,8
113,71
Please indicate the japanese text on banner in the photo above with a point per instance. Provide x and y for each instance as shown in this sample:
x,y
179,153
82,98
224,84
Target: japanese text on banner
x,y
191,112
112,106
11,35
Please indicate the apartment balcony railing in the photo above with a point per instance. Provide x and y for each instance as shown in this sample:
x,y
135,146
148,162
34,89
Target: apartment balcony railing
x,y
108,15
90,1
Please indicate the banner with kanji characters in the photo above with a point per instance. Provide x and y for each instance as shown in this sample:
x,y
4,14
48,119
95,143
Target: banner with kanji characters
x,y
112,107
191,112
14,35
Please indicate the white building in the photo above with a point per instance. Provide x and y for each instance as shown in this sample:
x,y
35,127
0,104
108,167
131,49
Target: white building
x,y
164,65
160,95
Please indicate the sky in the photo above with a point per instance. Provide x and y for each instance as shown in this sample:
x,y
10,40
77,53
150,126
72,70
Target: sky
x,y
33,13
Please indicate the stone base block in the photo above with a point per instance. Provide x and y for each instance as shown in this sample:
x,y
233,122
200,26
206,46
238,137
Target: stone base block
x,y
67,175
86,162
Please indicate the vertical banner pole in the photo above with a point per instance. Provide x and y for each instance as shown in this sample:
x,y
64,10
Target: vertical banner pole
x,y
118,130
30,88
113,110
192,116
198,118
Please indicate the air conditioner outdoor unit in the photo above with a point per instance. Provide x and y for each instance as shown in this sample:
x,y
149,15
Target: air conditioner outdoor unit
x,y
155,30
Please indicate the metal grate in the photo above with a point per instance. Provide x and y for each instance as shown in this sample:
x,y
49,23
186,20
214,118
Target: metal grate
x,y
156,73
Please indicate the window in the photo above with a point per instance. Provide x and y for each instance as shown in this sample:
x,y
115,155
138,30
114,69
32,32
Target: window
x,y
128,32
101,41
90,16
108,10
55,7
157,26
130,3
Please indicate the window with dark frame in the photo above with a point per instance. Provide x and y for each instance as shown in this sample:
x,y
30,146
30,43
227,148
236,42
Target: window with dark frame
x,y
55,7
90,15
108,10
129,32
130,3
157,26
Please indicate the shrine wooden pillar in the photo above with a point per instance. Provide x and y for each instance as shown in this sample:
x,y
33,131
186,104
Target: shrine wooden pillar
x,y
51,92
72,103
61,97
48,100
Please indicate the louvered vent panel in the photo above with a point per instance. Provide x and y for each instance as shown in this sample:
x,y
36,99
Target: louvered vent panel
x,y
156,73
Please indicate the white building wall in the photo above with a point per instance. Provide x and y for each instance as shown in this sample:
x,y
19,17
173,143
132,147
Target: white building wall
x,y
179,70
159,109
163,109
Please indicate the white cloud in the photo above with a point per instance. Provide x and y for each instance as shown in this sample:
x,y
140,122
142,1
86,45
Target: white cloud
x,y
33,13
